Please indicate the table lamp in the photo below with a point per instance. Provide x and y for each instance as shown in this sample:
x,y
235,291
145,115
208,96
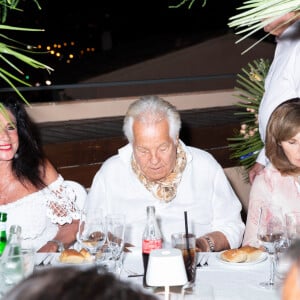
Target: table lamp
x,y
166,268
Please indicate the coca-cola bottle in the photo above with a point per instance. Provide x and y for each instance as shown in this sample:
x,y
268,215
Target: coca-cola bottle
x,y
152,238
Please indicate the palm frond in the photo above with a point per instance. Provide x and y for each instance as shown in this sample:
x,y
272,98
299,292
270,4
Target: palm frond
x,y
259,13
20,52
184,2
246,143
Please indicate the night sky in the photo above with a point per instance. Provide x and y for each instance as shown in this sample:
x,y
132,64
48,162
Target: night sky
x,y
138,30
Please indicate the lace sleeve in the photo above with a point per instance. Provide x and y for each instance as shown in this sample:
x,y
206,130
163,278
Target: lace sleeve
x,y
61,202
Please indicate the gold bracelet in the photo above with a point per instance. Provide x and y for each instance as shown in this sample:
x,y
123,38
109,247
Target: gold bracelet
x,y
210,242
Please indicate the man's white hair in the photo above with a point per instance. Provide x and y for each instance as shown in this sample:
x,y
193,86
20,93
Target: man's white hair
x,y
152,109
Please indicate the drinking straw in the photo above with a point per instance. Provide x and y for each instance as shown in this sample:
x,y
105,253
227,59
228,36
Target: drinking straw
x,y
186,230
187,242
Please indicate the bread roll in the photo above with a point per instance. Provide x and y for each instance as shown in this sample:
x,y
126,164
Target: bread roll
x,y
234,255
252,253
86,254
240,255
71,256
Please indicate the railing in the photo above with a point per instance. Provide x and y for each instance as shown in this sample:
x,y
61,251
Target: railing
x,y
91,90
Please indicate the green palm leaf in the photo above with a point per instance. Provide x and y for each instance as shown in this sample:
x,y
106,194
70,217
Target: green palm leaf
x,y
246,143
259,13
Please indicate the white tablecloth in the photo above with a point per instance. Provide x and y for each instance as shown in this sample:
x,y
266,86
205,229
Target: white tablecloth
x,y
227,281
232,282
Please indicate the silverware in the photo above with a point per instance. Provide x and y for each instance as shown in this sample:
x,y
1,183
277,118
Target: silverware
x,y
203,262
46,260
132,273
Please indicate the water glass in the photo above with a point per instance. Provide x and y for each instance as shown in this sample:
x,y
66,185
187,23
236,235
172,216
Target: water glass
x,y
115,226
92,231
271,229
16,267
106,262
187,245
282,261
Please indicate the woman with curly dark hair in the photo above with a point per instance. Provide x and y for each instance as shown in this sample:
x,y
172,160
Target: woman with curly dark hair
x,y
32,193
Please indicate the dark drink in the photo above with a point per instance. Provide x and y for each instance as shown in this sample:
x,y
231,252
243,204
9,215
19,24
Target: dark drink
x,y
189,258
145,261
187,245
148,246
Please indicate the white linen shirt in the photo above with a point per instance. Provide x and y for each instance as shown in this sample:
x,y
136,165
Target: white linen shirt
x,y
204,192
283,79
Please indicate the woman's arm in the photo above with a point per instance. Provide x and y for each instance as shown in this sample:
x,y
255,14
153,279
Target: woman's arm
x,y
66,235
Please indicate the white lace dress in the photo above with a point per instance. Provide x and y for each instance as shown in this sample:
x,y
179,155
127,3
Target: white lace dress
x,y
40,213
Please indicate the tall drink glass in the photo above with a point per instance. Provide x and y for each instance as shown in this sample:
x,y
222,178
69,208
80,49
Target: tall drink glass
x,y
187,245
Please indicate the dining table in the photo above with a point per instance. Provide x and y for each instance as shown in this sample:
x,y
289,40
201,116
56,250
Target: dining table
x,y
232,281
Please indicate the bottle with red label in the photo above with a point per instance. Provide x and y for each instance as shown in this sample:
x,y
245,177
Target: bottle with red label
x,y
152,238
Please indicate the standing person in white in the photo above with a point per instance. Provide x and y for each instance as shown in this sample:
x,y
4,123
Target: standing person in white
x,y
282,83
157,168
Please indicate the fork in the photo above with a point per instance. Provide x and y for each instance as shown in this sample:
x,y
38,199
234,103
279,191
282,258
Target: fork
x,y
46,260
132,273
203,262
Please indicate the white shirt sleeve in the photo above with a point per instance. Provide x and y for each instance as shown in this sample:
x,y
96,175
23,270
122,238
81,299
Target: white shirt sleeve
x,y
283,80
261,158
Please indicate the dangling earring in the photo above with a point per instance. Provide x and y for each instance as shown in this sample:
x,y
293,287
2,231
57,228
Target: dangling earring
x,y
16,156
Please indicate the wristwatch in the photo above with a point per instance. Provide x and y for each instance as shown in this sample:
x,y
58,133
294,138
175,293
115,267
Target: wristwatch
x,y
60,245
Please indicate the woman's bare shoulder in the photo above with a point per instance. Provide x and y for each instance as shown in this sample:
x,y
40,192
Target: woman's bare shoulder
x,y
50,173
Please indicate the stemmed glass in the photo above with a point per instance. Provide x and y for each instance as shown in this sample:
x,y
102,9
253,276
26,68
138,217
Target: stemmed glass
x,y
92,231
115,226
293,226
270,231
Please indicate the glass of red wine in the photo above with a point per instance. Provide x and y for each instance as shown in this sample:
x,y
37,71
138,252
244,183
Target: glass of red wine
x,y
270,230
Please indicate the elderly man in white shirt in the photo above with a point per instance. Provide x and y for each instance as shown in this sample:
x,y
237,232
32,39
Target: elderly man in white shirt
x,y
282,83
157,168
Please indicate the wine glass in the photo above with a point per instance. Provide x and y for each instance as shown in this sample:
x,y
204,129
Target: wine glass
x,y
270,230
92,231
293,226
115,226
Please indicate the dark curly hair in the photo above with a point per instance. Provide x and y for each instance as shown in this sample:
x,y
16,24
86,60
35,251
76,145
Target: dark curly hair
x,y
69,283
28,163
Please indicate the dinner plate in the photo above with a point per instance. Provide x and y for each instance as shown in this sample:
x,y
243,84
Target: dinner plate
x,y
260,259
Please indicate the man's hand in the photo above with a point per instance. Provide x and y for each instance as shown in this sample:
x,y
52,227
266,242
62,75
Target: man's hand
x,y
278,26
255,170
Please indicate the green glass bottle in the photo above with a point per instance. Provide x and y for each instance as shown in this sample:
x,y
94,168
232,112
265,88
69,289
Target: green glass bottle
x,y
3,237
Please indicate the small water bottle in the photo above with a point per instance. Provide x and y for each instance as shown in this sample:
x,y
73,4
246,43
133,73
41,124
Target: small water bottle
x,y
3,237
11,259
152,238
